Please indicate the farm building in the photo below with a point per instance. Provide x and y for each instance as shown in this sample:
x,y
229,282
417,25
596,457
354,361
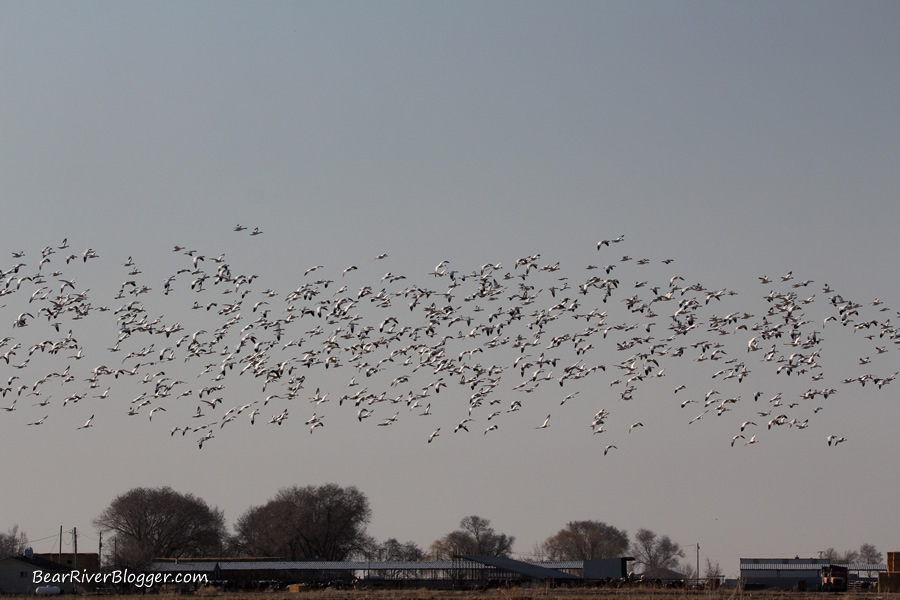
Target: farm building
x,y
17,574
83,561
795,573
462,571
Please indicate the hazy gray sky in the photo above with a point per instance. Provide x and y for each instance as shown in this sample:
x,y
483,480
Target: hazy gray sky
x,y
741,140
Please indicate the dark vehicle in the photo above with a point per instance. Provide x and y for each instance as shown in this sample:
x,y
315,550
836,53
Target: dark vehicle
x,y
834,578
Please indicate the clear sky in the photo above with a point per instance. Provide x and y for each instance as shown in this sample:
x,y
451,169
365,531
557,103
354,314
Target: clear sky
x,y
741,140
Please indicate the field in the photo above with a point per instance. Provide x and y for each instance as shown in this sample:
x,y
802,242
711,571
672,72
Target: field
x,y
528,593
541,593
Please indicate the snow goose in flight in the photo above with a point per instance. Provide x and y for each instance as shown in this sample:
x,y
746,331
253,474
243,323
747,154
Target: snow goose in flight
x,y
389,420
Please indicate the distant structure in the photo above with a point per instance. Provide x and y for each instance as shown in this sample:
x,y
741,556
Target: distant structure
x,y
462,572
17,574
800,574
84,561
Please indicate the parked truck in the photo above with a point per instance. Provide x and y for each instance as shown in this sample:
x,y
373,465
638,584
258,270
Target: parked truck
x,y
834,578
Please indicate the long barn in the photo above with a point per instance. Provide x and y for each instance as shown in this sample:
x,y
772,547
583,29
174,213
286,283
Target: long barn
x,y
795,573
462,571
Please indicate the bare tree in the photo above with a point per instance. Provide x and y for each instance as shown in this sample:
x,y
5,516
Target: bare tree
x,y
12,542
455,542
845,557
391,550
829,554
687,569
712,570
301,523
476,537
159,522
868,553
586,540
487,541
652,552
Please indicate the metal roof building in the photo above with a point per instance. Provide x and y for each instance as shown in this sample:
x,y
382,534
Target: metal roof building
x,y
462,570
793,573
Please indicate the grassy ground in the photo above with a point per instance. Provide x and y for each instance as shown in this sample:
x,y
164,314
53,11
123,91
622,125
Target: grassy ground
x,y
526,593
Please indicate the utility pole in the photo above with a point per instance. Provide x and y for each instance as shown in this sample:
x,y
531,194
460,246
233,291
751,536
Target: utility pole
x,y
100,551
75,548
698,562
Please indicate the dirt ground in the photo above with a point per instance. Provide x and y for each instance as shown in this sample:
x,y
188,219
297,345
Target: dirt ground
x,y
531,593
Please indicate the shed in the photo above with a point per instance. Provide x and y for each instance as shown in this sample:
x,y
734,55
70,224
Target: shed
x,y
17,575
782,573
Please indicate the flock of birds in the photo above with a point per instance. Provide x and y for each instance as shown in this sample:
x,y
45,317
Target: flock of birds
x,y
479,344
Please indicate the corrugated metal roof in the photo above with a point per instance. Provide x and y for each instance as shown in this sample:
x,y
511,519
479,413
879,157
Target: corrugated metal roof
x,y
778,566
308,565
182,567
867,567
318,565
786,561
517,566
559,564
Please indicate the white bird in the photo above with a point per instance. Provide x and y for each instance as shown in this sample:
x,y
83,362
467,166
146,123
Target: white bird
x,y
545,424
434,434
638,424
608,448
87,423
835,440
389,420
209,435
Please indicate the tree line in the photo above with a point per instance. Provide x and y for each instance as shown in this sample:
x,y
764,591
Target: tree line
x,y
328,522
